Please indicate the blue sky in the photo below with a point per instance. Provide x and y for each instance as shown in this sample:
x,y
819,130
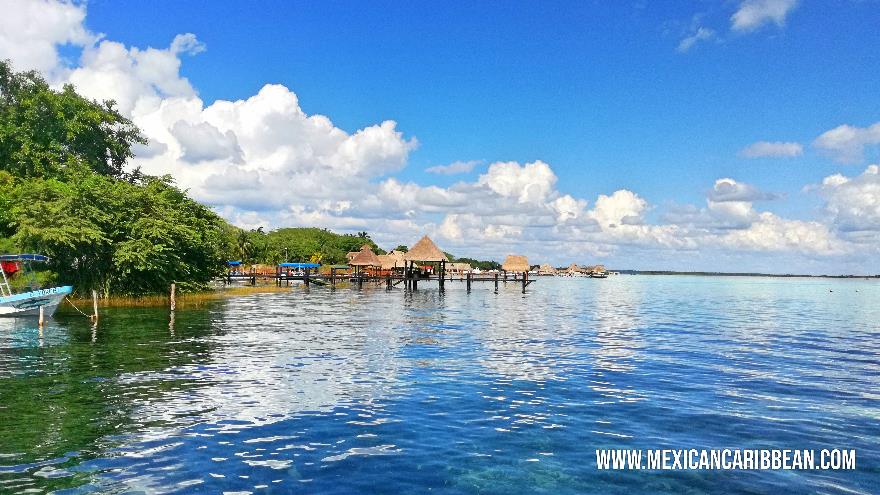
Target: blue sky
x,y
597,89
607,93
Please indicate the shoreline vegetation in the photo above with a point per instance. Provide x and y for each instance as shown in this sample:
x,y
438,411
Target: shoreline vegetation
x,y
187,299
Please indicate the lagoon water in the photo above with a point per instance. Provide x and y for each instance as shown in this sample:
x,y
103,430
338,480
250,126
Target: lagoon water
x,y
350,391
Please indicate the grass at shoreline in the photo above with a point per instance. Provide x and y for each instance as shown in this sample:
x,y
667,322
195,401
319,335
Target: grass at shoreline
x,y
192,299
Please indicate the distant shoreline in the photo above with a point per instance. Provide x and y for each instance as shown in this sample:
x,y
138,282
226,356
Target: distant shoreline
x,y
738,274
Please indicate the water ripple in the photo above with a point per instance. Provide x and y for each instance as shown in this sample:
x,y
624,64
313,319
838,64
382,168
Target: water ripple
x,y
366,391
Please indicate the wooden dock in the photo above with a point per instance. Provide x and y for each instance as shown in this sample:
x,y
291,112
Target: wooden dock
x,y
406,281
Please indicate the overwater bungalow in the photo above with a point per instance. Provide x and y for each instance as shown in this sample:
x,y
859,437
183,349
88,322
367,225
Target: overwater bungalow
x,y
365,260
459,268
392,262
546,270
515,264
426,251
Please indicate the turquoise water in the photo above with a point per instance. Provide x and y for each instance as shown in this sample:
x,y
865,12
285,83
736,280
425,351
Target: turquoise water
x,y
375,392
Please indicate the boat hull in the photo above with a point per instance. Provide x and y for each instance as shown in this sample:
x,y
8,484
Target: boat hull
x,y
29,303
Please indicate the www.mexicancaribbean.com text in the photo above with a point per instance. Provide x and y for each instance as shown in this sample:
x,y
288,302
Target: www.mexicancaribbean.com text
x,y
725,459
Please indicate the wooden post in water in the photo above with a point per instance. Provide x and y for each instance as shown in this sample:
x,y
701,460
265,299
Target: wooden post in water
x,y
469,282
442,275
173,296
95,305
388,281
496,282
332,277
306,276
525,278
42,319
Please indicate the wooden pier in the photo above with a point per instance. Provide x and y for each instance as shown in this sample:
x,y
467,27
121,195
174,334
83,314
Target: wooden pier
x,y
409,280
365,268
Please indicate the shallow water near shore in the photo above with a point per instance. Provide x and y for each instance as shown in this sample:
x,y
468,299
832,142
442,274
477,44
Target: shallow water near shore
x,y
347,391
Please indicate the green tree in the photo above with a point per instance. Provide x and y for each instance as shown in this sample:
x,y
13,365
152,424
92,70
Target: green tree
x,y
119,237
43,131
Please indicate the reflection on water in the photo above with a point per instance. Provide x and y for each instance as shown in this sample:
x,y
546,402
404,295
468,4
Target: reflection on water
x,y
368,391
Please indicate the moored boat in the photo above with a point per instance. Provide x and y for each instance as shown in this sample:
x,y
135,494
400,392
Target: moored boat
x,y
26,302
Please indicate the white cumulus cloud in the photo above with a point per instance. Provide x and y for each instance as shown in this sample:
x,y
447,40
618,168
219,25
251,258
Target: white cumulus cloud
x,y
32,30
853,203
774,149
529,183
753,14
727,189
846,143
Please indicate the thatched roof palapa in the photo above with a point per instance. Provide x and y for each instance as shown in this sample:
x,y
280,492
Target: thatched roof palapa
x,y
515,263
547,269
365,257
425,250
459,267
392,260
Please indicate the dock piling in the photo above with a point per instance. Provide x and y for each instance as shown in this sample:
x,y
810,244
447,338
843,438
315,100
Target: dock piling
x,y
173,296
496,282
42,319
95,305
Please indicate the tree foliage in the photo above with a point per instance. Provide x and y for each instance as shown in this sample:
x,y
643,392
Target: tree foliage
x,y
482,265
43,132
119,237
64,192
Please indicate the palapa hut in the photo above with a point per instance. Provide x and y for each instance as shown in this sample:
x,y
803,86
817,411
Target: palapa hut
x,y
426,250
392,261
459,268
350,256
515,264
546,269
573,270
365,258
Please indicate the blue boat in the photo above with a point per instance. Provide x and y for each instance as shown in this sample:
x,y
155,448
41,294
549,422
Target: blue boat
x,y
29,302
